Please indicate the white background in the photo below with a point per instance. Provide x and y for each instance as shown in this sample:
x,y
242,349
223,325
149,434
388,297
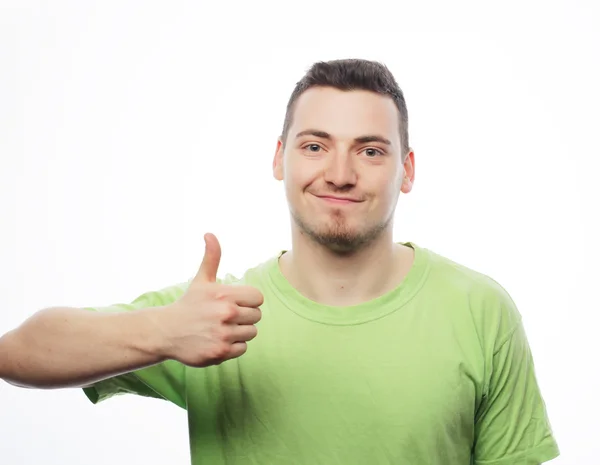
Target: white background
x,y
128,129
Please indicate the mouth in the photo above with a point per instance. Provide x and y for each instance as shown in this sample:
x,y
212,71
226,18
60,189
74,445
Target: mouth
x,y
335,200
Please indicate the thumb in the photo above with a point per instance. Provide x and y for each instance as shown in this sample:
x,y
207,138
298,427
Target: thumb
x,y
210,263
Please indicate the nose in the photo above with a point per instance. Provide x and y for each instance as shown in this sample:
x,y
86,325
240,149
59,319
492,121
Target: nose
x,y
339,170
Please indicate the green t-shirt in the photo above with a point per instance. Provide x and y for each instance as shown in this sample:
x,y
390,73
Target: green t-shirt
x,y
436,372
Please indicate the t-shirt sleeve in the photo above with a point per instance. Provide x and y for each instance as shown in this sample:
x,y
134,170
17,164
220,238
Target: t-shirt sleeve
x,y
512,425
162,381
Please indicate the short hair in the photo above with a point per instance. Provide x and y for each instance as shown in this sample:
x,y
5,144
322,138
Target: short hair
x,y
347,75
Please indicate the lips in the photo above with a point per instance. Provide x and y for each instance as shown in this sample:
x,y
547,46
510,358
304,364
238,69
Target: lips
x,y
338,200
342,199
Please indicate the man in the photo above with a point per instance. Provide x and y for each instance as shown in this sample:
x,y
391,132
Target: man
x,y
369,352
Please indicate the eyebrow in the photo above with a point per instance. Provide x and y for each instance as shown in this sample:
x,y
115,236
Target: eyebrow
x,y
358,140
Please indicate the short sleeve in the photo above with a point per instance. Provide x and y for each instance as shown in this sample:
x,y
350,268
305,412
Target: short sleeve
x,y
162,381
511,425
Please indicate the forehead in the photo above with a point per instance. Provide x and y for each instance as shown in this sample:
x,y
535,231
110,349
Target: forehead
x,y
346,114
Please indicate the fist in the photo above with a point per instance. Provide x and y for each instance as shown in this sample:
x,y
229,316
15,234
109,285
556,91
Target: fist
x,y
211,322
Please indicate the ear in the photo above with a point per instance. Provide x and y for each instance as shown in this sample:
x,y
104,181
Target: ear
x,y
278,161
409,172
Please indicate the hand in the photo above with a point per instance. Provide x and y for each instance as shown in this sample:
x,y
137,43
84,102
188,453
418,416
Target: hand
x,y
211,322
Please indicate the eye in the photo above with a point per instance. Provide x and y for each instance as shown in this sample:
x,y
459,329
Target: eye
x,y
314,148
371,152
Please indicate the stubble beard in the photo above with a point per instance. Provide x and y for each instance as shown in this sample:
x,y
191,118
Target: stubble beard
x,y
337,236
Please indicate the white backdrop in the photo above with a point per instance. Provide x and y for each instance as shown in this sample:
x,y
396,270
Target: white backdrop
x,y
128,129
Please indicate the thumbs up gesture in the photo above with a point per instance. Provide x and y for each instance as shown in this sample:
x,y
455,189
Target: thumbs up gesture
x,y
211,322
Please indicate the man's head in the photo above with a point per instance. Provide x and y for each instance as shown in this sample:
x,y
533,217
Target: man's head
x,y
345,135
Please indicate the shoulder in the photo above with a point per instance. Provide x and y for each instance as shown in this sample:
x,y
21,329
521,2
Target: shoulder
x,y
445,272
256,276
486,301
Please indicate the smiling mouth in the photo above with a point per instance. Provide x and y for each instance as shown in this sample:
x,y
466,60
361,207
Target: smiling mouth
x,y
338,200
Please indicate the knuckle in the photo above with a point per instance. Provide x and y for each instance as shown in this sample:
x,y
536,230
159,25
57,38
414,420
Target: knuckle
x,y
229,311
219,352
220,294
220,334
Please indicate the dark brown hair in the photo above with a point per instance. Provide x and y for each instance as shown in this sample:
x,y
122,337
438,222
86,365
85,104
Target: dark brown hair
x,y
351,74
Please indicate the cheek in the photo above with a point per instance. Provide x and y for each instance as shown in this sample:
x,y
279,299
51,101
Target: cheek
x,y
295,182
300,175
387,190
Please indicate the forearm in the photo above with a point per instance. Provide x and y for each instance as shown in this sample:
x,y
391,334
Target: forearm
x,y
68,347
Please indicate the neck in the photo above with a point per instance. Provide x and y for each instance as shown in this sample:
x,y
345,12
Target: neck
x,y
345,280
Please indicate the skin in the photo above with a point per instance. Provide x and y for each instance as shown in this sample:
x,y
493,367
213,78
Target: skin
x,y
343,253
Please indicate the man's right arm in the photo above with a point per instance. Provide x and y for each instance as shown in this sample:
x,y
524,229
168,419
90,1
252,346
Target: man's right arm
x,y
70,347
200,324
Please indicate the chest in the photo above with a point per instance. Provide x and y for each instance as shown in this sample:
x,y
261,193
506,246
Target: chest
x,y
402,382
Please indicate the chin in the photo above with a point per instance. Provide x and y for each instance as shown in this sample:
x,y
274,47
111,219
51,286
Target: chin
x,y
339,242
338,234
340,238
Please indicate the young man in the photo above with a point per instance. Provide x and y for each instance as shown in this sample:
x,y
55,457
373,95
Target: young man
x,y
369,352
